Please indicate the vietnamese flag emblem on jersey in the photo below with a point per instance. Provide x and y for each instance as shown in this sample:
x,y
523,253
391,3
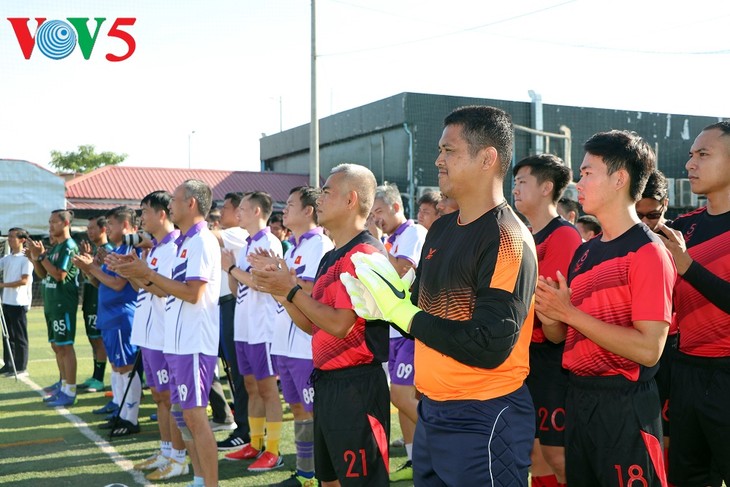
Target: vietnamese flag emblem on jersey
x,y
298,260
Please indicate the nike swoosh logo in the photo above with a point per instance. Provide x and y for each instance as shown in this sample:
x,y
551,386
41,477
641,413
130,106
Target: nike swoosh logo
x,y
399,294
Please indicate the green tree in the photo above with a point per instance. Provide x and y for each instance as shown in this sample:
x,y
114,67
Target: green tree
x,y
84,160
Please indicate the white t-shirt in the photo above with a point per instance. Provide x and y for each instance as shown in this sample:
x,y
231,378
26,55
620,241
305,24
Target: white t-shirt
x,y
406,243
14,267
255,311
288,339
195,328
234,238
148,327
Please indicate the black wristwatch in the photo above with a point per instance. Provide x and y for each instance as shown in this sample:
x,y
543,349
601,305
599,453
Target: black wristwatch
x,y
290,296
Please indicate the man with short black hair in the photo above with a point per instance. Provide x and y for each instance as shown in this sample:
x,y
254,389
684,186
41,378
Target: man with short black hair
x,y
254,321
17,283
699,453
569,209
588,226
115,315
614,319
427,206
539,182
97,246
474,288
60,302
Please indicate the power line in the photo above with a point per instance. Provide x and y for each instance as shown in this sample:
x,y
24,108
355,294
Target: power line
x,y
447,34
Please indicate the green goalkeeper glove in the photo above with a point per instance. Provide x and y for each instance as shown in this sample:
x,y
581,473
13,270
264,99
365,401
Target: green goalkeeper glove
x,y
379,292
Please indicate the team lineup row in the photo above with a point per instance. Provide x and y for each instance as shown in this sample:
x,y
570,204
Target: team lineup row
x,y
512,350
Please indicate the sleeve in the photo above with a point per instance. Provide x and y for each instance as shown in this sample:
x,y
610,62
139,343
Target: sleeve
x,y
64,258
27,268
408,245
488,337
310,261
652,276
559,253
714,288
200,262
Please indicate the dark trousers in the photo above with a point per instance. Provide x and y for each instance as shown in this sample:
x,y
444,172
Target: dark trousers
x,y
15,317
228,351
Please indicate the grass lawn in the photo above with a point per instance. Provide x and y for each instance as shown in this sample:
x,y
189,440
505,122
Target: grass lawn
x,y
40,446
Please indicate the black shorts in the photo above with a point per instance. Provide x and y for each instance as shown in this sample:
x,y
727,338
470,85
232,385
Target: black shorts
x,y
699,453
663,378
548,384
352,425
613,434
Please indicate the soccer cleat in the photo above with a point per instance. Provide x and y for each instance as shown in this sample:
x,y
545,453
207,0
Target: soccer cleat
x,y
231,443
91,385
62,400
216,426
124,428
399,443
152,462
108,408
169,470
297,481
404,472
267,461
53,388
246,453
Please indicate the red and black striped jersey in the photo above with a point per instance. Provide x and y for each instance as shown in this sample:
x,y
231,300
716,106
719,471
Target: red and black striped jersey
x,y
627,279
367,342
555,245
702,294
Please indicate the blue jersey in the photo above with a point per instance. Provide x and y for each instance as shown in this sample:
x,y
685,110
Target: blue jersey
x,y
116,308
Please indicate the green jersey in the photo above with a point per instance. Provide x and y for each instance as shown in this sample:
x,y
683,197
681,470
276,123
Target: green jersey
x,y
62,295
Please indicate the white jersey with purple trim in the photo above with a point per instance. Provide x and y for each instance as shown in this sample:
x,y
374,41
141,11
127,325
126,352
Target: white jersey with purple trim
x,y
234,239
406,243
288,339
255,311
195,328
148,327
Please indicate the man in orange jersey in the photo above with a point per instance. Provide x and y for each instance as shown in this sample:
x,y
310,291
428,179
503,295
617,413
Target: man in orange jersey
x,y
474,289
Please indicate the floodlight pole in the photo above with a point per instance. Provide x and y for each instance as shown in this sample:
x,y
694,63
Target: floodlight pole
x,y
189,136
314,122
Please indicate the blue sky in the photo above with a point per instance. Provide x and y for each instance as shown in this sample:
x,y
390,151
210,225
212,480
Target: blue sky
x,y
227,69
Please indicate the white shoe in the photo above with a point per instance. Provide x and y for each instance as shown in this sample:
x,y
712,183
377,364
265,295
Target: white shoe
x,y
152,463
170,470
215,426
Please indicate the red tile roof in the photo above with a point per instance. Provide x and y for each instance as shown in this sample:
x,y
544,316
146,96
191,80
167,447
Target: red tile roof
x,y
134,183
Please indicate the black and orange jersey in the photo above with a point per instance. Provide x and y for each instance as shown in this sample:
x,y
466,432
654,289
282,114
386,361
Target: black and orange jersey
x,y
555,245
368,341
702,294
627,279
475,284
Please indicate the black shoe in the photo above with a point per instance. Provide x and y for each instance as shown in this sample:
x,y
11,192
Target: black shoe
x,y
109,424
124,428
296,481
4,369
233,442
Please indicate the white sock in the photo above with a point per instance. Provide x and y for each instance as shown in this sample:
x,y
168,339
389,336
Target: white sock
x,y
409,450
116,397
166,448
130,408
178,455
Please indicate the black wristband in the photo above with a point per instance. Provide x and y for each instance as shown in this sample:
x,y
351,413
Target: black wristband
x,y
290,296
231,268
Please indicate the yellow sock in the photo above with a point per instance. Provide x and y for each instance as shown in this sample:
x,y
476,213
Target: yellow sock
x,y
257,426
273,436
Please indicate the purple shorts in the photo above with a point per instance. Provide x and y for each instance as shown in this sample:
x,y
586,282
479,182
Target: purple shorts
x,y
294,375
400,361
190,378
255,359
156,370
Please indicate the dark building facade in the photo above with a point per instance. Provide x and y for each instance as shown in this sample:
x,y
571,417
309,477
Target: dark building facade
x,y
397,138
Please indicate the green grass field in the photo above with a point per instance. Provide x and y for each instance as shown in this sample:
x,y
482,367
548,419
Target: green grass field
x,y
40,446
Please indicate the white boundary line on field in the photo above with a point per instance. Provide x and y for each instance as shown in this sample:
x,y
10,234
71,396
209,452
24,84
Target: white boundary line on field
x,y
122,462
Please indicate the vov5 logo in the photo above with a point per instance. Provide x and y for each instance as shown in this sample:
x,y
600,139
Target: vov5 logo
x,y
57,39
